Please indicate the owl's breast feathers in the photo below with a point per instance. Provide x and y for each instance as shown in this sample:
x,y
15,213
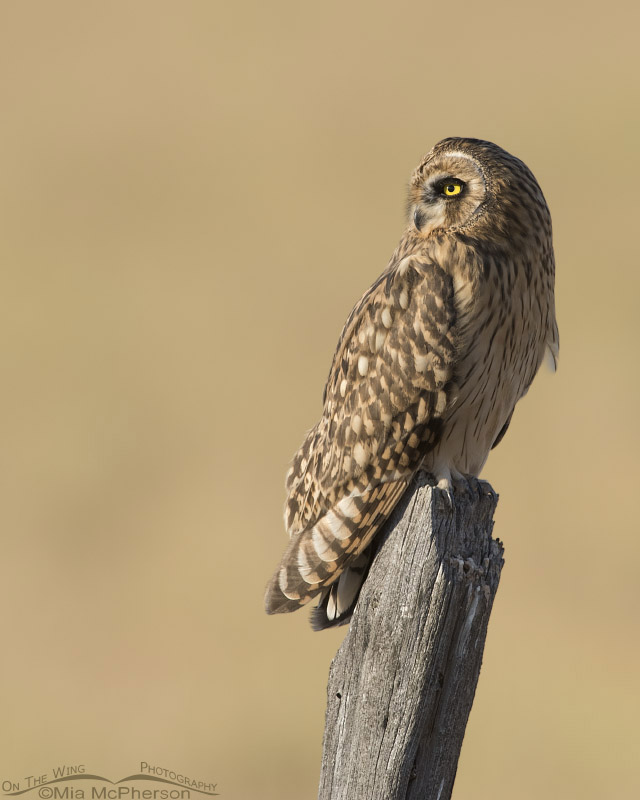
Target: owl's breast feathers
x,y
505,321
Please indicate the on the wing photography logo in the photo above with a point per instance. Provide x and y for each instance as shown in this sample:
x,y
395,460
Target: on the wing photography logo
x,y
75,783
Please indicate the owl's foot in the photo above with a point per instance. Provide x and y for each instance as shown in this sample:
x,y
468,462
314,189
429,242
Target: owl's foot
x,y
450,481
471,487
445,486
463,484
485,489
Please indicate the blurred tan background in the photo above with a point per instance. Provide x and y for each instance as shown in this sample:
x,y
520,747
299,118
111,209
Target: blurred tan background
x,y
192,197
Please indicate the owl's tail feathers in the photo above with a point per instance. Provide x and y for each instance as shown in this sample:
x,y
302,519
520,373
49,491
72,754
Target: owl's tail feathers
x,y
277,602
300,576
328,555
338,601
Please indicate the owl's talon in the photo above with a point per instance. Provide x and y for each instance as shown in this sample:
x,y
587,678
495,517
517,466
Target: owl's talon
x,y
485,489
445,487
464,486
478,488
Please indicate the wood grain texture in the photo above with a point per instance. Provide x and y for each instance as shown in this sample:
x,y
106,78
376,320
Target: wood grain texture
x,y
402,684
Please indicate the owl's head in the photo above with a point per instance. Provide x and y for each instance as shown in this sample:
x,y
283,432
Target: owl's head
x,y
462,183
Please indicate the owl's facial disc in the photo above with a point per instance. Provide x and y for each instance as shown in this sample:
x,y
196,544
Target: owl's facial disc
x,y
446,194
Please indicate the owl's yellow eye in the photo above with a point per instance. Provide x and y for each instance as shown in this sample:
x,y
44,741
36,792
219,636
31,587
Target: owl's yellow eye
x,y
451,189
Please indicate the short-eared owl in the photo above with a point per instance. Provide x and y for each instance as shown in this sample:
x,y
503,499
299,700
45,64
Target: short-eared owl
x,y
428,368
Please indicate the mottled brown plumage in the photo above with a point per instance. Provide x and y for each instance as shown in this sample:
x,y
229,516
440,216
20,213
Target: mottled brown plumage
x,y
428,368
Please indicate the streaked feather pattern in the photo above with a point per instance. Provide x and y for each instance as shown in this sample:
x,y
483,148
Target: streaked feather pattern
x,y
358,460
428,368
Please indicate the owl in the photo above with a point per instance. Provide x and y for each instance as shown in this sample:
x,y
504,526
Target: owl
x,y
428,369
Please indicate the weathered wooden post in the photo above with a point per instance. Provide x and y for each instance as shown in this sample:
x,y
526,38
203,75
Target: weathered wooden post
x,y
402,684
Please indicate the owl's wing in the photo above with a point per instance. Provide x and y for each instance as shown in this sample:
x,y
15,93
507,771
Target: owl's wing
x,y
387,393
